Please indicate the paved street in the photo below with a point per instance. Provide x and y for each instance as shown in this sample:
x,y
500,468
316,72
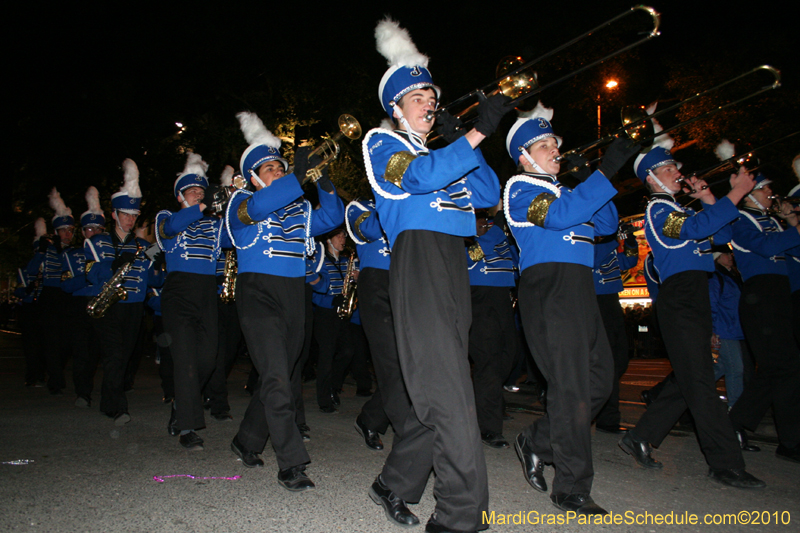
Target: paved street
x,y
86,475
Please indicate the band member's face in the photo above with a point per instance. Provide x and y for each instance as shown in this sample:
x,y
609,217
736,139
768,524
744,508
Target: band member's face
x,y
544,153
194,195
725,259
481,226
668,175
763,196
66,234
337,241
270,171
415,106
126,221
91,231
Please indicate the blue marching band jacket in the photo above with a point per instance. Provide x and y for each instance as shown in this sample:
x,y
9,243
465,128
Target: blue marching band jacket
x,y
101,250
434,190
73,278
314,266
49,264
491,261
651,277
332,273
276,223
190,241
554,224
364,228
609,264
681,239
759,243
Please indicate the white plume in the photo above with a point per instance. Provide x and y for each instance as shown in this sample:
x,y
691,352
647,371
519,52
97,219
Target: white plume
x,y
651,108
39,227
93,201
796,166
539,111
395,44
387,124
724,150
131,185
255,132
57,204
226,179
194,165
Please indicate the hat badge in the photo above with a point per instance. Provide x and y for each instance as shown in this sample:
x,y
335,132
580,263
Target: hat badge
x,y
416,71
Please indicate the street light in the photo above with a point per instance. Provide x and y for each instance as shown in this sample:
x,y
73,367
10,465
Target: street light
x,y
610,85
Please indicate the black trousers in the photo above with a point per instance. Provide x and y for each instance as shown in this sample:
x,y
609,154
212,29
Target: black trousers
x,y
297,371
358,364
271,312
492,347
569,343
765,310
86,347
32,343
614,323
684,313
333,336
390,401
189,313
229,337
430,299
56,320
117,331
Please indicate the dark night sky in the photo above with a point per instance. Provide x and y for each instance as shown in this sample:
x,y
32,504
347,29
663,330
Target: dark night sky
x,y
89,85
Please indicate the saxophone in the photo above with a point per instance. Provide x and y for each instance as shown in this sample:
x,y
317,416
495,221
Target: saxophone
x,y
228,294
112,291
345,310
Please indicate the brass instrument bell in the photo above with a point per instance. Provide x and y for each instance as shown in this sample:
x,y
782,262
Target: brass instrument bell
x,y
329,148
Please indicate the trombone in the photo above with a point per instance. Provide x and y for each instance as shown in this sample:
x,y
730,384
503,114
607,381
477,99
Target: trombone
x,y
512,80
329,148
637,124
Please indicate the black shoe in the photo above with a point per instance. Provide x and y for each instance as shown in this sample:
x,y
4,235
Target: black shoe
x,y
741,436
532,465
364,393
735,477
371,438
223,417
646,398
83,401
434,527
249,459
788,454
192,442
494,440
206,403
168,398
578,503
328,409
295,479
121,418
303,428
172,425
335,399
395,508
615,430
640,450
305,436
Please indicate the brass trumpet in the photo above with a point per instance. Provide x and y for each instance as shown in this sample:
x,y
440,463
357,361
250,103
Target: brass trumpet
x,y
778,201
329,147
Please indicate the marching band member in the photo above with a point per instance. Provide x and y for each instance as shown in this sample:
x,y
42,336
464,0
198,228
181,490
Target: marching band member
x,y
681,244
765,309
272,229
426,201
609,264
191,243
54,301
106,254
332,332
389,402
493,344
554,227
29,290
83,330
